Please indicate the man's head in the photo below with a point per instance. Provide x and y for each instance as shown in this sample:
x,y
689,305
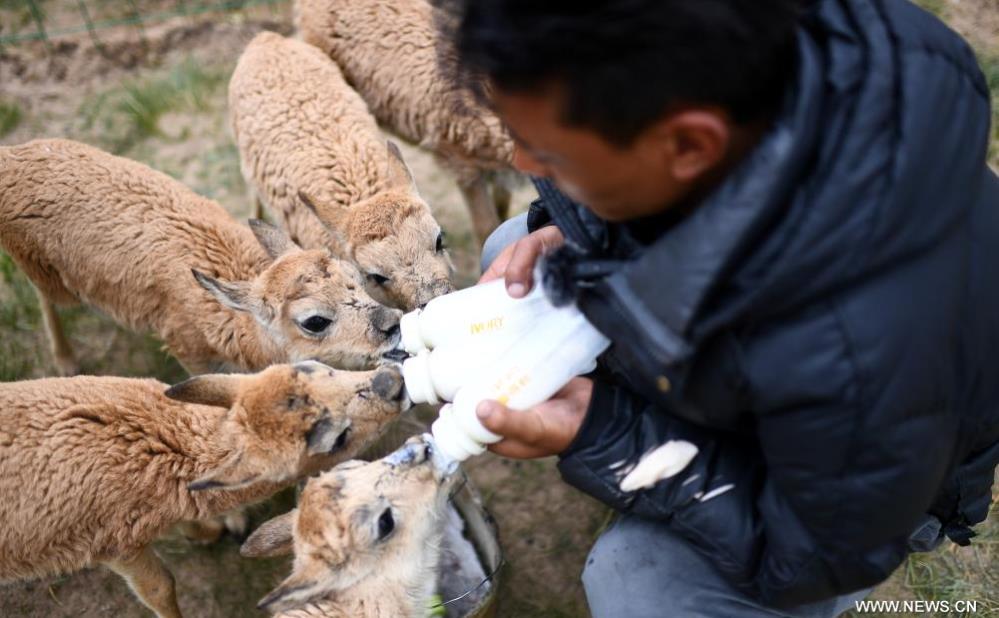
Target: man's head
x,y
630,106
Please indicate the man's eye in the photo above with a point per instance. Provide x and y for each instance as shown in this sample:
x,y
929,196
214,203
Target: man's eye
x,y
316,324
440,243
378,279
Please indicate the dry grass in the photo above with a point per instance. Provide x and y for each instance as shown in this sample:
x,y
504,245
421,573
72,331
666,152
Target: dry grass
x,y
978,22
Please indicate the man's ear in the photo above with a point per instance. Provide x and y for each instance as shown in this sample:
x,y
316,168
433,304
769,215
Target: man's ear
x,y
400,176
218,390
696,140
273,239
271,538
231,474
233,294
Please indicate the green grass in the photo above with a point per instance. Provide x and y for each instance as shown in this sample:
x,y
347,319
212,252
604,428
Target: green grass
x,y
23,344
14,365
937,7
125,115
950,573
20,312
16,15
19,315
10,117
953,573
220,172
989,62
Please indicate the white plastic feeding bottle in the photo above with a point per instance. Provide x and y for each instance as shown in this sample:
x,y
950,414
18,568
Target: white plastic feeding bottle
x,y
559,345
475,313
433,376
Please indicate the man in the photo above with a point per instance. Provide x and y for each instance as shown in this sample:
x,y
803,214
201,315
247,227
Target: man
x,y
780,214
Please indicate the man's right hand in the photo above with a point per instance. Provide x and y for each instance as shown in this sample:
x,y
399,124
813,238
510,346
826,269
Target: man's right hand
x,y
516,262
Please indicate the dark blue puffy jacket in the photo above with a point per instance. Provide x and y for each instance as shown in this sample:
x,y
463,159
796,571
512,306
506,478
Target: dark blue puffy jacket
x,y
825,326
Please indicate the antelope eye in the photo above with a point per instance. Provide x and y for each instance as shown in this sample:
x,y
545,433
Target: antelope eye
x,y
386,524
440,242
378,279
316,324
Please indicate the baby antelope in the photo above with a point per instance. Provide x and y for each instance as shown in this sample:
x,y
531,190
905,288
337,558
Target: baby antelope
x,y
86,226
93,469
366,538
309,147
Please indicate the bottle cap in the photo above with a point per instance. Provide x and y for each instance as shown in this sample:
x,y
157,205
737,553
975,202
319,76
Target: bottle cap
x,y
466,443
449,438
411,339
444,439
419,382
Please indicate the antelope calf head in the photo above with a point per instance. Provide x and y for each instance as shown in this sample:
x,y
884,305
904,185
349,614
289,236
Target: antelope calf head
x,y
289,421
373,525
311,305
393,238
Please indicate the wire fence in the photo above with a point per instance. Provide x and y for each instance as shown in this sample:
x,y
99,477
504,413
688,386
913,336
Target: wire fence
x,y
37,25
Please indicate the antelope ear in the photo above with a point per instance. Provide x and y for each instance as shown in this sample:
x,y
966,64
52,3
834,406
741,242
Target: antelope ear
x,y
302,585
233,294
331,218
271,538
232,474
218,390
400,176
273,239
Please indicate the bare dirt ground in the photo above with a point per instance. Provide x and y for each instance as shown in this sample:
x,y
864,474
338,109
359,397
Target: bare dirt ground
x,y
162,101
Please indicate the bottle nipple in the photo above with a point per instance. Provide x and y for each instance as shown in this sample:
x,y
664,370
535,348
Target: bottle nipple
x,y
410,337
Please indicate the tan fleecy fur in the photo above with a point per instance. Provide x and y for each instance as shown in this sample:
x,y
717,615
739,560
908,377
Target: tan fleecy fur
x,y
389,52
93,469
86,226
309,147
345,565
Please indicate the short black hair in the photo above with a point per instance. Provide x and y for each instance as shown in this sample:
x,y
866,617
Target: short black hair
x,y
622,64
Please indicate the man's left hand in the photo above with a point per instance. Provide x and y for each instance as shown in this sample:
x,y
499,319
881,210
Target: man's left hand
x,y
546,429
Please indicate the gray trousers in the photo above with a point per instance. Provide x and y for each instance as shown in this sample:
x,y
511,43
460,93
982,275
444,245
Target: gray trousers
x,y
639,568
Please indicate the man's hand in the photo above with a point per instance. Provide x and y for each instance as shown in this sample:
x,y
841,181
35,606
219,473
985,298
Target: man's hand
x,y
546,429
516,262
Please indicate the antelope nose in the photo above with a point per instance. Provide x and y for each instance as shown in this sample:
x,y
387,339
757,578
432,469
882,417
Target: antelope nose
x,y
387,322
413,452
423,453
387,384
395,355
393,333
444,287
